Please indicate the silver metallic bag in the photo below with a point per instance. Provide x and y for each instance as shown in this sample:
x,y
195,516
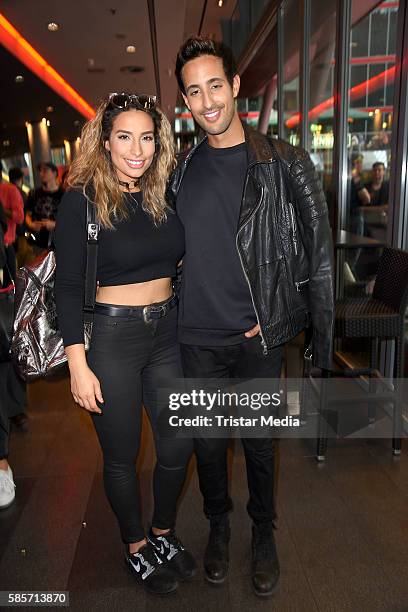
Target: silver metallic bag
x,y
37,347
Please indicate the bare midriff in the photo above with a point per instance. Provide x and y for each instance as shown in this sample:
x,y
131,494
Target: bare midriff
x,y
137,294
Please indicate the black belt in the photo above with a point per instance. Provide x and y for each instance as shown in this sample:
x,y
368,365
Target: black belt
x,y
147,313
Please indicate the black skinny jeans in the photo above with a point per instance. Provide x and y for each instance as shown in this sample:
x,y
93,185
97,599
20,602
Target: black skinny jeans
x,y
244,360
132,360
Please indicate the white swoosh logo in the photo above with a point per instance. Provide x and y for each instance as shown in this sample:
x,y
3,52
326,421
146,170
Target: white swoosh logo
x,y
136,566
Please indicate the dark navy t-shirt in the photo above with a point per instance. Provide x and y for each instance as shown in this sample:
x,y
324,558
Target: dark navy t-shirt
x,y
215,304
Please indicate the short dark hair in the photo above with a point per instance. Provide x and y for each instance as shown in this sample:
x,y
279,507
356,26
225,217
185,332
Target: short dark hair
x,y
196,47
15,174
48,164
378,163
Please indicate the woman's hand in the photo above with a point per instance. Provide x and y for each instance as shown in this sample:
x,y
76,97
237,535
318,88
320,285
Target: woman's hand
x,y
85,387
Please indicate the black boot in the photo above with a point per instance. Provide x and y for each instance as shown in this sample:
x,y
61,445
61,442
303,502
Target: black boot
x,y
216,555
265,564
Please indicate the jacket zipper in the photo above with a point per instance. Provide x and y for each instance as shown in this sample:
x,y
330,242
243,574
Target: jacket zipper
x,y
265,348
293,223
299,284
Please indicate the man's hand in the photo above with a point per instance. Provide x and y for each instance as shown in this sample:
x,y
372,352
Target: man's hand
x,y
253,332
48,224
33,225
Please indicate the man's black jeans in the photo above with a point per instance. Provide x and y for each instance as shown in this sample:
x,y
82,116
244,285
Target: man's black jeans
x,y
245,360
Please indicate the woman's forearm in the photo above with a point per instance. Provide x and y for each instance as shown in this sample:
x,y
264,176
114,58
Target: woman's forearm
x,y
76,356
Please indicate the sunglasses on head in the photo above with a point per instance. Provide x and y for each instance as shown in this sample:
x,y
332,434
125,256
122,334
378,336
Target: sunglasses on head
x,y
124,100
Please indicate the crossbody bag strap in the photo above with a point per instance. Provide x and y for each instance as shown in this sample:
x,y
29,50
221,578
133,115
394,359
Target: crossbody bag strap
x,y
92,231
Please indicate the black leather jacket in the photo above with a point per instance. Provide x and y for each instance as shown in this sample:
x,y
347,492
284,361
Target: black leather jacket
x,y
284,243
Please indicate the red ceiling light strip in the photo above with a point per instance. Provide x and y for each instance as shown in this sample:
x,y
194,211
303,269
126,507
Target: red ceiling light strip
x,y
12,40
355,93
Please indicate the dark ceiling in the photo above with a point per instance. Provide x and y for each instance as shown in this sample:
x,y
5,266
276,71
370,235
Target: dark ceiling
x,y
28,101
89,51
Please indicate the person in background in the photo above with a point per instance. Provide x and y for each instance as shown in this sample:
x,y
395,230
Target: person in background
x,y
12,397
42,206
7,486
378,189
358,195
13,400
13,207
16,176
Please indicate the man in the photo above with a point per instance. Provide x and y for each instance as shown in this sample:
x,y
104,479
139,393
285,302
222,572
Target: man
x,y
13,206
41,208
12,199
16,177
378,188
257,262
13,397
357,196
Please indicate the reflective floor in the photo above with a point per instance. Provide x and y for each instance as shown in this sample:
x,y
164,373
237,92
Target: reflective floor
x,y
342,532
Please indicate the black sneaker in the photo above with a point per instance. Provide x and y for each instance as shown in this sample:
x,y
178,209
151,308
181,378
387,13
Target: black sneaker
x,y
216,556
172,552
265,564
150,571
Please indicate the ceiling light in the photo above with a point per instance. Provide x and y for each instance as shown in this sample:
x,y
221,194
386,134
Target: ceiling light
x,y
220,3
19,78
50,109
131,49
44,120
52,26
48,123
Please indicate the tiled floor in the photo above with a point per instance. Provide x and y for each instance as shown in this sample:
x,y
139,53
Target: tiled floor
x,y
342,533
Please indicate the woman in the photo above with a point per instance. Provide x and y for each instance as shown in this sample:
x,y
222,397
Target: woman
x,y
125,159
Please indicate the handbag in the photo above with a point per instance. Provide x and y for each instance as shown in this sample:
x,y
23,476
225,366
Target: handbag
x,y
37,347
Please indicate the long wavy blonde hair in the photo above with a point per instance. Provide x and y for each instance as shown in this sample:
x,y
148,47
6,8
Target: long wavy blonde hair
x,y
92,170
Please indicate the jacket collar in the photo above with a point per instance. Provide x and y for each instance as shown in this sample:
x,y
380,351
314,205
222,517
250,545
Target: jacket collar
x,y
260,149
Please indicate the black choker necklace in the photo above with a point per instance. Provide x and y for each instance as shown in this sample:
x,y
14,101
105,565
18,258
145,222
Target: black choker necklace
x,y
131,185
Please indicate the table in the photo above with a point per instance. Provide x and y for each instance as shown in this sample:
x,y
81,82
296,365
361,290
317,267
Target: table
x,y
347,240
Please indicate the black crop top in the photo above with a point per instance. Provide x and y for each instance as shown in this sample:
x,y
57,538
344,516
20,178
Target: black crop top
x,y
135,251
